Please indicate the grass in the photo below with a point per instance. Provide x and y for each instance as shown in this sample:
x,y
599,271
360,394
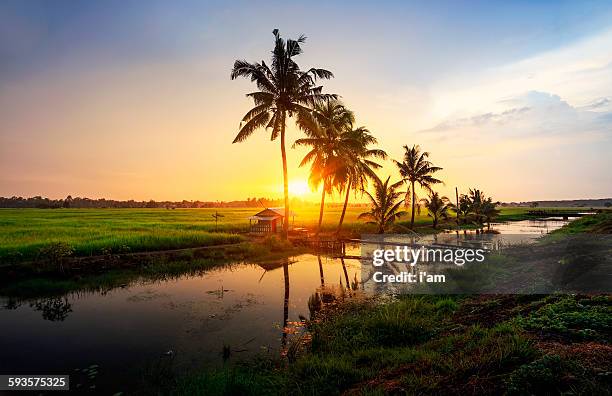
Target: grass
x,y
600,223
420,345
24,232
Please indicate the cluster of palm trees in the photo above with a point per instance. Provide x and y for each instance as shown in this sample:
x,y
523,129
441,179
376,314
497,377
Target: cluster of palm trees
x,y
414,169
341,155
476,208
284,91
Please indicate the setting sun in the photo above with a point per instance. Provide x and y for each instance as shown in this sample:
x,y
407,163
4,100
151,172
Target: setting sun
x,y
298,188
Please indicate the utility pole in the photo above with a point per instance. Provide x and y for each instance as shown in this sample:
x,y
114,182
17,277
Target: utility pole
x,y
457,211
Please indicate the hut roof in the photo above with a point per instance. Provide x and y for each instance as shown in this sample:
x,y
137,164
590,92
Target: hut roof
x,y
271,214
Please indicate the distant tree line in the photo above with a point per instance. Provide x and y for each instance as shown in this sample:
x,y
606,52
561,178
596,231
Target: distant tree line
x,y
79,202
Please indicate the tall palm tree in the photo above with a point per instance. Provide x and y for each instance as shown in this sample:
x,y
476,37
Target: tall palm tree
x,y
386,203
284,90
359,165
325,128
416,168
437,207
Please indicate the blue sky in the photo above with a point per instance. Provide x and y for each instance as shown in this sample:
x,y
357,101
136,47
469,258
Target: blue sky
x,y
144,86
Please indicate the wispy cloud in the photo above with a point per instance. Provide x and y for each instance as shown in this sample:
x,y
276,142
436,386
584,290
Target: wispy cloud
x,y
531,115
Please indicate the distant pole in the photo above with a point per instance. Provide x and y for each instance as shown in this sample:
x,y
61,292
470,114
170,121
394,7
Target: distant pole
x,y
457,211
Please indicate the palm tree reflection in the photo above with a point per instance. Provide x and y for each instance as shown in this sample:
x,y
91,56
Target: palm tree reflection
x,y
321,271
285,304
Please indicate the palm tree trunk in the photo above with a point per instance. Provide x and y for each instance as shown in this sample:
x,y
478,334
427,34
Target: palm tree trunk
x,y
348,191
285,181
322,206
412,215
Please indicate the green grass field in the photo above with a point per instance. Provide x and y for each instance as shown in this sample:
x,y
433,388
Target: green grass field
x,y
23,232
430,345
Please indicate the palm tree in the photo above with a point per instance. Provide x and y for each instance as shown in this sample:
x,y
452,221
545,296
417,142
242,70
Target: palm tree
x,y
437,207
359,165
386,204
482,207
463,210
489,210
325,129
476,199
416,168
284,90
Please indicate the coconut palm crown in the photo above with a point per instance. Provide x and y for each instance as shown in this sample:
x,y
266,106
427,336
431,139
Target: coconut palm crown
x,y
386,203
416,168
437,207
284,91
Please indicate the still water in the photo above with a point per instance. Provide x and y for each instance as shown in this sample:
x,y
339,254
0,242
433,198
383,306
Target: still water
x,y
130,333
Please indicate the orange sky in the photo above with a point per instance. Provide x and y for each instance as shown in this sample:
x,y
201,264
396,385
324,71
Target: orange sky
x,y
143,116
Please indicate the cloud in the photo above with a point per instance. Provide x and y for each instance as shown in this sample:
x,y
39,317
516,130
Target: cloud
x,y
480,119
598,104
532,116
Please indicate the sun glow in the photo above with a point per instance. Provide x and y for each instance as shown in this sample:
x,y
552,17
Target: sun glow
x,y
298,188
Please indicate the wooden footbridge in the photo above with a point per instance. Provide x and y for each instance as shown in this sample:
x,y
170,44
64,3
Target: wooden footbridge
x,y
563,213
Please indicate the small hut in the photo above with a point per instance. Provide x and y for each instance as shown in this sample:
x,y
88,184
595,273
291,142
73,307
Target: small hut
x,y
268,221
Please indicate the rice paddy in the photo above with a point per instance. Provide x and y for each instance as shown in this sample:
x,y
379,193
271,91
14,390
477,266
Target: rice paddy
x,y
24,232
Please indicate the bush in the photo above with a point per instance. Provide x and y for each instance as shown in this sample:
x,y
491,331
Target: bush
x,y
584,319
55,253
540,377
276,244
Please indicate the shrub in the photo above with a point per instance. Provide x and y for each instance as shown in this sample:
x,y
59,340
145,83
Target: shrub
x,y
540,377
55,253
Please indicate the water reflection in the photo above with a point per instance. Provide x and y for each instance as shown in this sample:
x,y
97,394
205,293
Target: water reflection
x,y
192,315
53,309
285,305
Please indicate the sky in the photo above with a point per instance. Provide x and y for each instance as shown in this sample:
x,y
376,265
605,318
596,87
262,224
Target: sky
x,y
133,100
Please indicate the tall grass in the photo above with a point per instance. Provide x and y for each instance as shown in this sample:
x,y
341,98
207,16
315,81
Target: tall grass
x,y
23,232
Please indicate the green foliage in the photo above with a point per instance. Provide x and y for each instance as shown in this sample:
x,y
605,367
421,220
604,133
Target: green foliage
x,y
579,319
600,223
414,346
406,322
276,244
55,252
257,379
553,375
326,375
446,305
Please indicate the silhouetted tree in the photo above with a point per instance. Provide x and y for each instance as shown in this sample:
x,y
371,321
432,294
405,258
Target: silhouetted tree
x,y
284,91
